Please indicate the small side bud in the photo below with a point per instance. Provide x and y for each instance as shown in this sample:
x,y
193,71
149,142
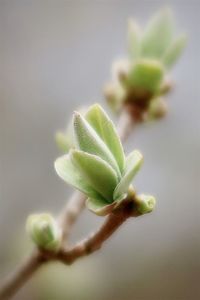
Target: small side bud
x,y
120,68
62,141
114,94
44,231
145,203
158,109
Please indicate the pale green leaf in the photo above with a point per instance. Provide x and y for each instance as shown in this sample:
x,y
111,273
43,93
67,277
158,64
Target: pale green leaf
x,y
69,173
99,207
134,36
174,51
158,35
89,141
97,172
105,128
133,164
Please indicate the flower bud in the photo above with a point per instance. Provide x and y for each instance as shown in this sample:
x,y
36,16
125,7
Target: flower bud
x,y
145,203
44,231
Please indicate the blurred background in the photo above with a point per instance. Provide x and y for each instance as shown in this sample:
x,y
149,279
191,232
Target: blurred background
x,y
56,56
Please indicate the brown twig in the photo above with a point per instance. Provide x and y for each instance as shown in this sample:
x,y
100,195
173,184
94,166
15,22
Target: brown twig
x,y
95,241
70,213
126,124
21,275
27,268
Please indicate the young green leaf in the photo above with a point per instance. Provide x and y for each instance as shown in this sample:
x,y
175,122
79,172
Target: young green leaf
x,y
89,141
158,35
97,172
99,207
68,172
134,36
174,51
105,128
133,164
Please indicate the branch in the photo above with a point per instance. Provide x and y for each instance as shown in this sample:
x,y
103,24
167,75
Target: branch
x,y
94,242
21,275
126,124
70,213
27,268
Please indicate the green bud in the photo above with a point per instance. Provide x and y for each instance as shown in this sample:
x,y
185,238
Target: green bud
x,y
145,203
44,231
152,51
146,75
97,166
63,141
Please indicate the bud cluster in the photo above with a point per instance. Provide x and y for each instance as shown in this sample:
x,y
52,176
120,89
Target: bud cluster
x,y
97,165
140,81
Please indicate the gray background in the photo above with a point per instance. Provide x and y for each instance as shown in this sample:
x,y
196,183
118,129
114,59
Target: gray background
x,y
55,56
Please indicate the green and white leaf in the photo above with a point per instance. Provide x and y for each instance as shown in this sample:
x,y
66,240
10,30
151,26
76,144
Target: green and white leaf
x,y
89,141
158,35
133,164
97,172
69,173
99,207
105,128
134,36
174,51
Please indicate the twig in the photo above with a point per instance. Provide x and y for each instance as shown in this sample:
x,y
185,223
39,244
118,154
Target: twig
x,y
94,242
21,275
70,213
126,124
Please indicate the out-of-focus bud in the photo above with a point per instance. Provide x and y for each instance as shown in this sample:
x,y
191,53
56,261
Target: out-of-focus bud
x,y
152,51
114,94
63,141
158,109
120,68
44,231
146,74
166,87
145,203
